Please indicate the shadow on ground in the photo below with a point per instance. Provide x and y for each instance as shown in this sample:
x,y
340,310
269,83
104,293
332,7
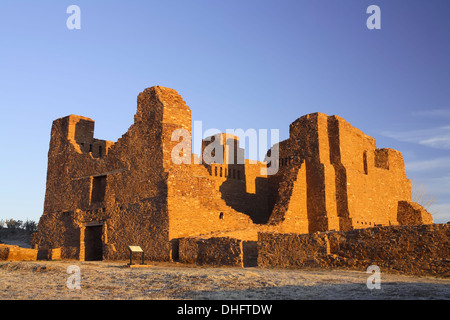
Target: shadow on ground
x,y
388,291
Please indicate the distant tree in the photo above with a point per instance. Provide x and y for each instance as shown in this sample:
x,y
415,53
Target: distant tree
x,y
30,226
13,224
10,223
420,195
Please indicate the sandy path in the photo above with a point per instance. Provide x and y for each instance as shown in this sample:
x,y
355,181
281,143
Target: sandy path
x,y
110,280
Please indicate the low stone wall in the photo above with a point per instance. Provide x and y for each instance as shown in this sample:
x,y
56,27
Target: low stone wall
x,y
290,249
418,250
188,250
215,251
410,213
49,254
16,253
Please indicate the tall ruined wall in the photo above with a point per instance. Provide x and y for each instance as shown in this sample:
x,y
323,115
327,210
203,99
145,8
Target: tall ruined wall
x,y
194,205
370,181
125,189
311,134
306,154
135,158
290,212
132,189
132,192
243,188
242,183
332,177
257,191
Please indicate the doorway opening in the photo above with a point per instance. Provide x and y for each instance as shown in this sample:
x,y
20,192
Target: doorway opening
x,y
93,244
250,253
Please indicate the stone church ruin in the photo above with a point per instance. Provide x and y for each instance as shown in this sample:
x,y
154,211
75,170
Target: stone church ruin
x,y
102,196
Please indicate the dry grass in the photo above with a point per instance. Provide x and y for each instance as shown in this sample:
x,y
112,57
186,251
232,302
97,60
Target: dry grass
x,y
111,280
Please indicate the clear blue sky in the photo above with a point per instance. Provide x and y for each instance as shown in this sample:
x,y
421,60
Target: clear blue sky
x,y
237,64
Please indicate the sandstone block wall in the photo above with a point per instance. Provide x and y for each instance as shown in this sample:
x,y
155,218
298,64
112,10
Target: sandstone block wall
x,y
289,249
16,253
102,196
419,249
215,251
124,190
290,211
196,207
49,254
129,192
332,177
410,213
242,183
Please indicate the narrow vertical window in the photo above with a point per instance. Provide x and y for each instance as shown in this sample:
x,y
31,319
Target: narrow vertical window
x,y
365,162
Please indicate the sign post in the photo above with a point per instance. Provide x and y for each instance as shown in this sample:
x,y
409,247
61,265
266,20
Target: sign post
x,y
135,249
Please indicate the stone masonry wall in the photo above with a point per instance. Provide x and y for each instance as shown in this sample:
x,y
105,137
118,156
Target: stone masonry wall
x,y
290,212
242,183
332,177
410,213
102,196
16,253
418,249
369,181
196,207
132,190
130,201
214,251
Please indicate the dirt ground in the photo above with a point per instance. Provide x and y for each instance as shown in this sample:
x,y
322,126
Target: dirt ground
x,y
104,280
